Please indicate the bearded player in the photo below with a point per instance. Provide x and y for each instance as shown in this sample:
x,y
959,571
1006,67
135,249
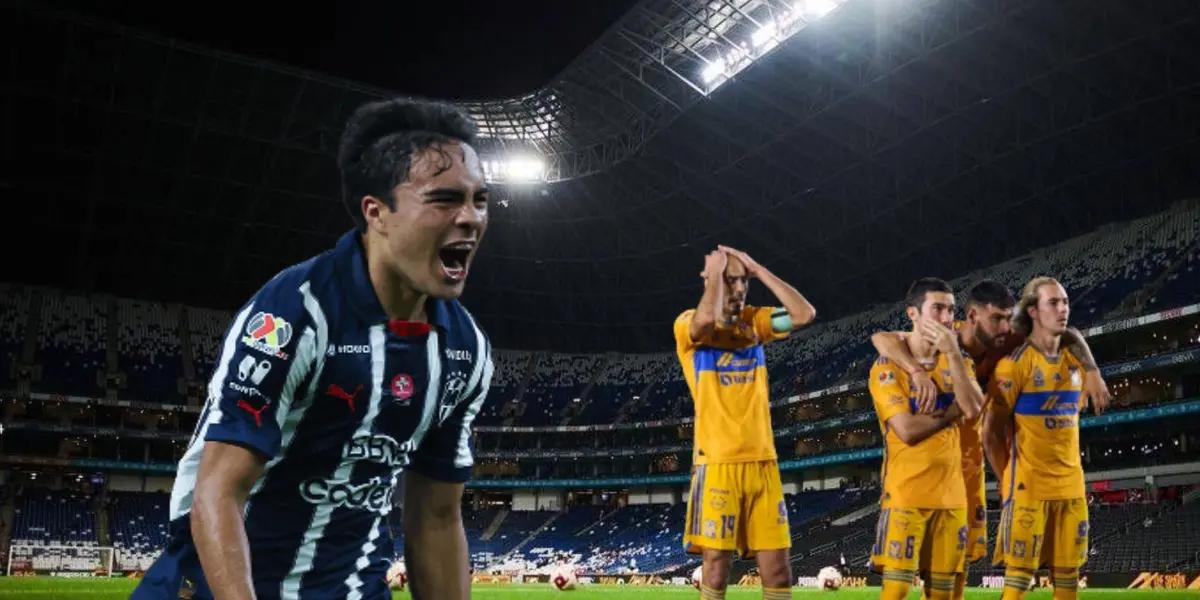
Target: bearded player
x,y
987,336
736,501
923,510
1036,395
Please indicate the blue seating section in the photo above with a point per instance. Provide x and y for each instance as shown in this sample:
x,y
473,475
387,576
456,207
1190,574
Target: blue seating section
x,y
48,517
1138,266
138,527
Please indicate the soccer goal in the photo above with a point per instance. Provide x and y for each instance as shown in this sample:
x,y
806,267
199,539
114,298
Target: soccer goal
x,y
60,561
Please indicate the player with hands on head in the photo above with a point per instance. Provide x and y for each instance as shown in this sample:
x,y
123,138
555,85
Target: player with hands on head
x,y
736,500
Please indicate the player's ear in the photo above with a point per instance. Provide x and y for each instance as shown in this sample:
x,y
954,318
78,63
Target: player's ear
x,y
913,313
373,210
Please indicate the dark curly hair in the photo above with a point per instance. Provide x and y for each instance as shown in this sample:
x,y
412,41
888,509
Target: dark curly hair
x,y
380,140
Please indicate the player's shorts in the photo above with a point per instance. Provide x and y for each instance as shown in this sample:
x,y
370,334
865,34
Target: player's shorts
x,y
1036,534
737,506
976,516
930,540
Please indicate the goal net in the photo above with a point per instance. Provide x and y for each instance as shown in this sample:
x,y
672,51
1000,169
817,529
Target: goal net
x,y
60,561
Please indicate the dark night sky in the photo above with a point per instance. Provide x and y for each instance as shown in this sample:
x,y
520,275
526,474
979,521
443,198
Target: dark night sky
x,y
451,49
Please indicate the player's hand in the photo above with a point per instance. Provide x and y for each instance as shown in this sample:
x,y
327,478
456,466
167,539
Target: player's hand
x,y
714,265
752,267
941,337
1095,389
926,391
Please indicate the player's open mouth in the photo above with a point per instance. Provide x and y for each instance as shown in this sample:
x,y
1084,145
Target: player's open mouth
x,y
454,258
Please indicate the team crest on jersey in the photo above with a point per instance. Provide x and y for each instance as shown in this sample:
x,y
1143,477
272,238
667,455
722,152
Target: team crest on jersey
x,y
1039,380
268,334
1076,378
452,394
946,377
887,376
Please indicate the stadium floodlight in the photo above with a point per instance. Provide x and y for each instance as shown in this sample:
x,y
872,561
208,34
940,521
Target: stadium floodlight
x,y
815,9
765,35
515,169
774,29
713,70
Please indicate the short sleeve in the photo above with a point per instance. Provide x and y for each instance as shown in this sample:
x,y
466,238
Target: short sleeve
x,y
762,324
265,354
1004,388
683,331
887,394
448,451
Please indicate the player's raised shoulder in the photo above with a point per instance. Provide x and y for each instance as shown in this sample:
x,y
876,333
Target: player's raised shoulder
x,y
1016,354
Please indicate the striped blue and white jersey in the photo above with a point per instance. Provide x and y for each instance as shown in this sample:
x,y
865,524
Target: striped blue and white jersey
x,y
339,401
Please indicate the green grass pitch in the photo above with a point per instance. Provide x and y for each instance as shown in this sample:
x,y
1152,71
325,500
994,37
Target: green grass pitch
x,y
13,588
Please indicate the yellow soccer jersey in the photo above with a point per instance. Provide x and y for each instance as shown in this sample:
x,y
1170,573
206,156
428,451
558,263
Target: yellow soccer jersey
x,y
1042,398
928,474
727,376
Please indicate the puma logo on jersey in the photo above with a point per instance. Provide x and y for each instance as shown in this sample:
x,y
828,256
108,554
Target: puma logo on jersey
x,y
257,412
336,391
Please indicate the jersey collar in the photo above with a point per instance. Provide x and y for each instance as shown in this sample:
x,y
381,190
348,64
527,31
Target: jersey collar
x,y
351,261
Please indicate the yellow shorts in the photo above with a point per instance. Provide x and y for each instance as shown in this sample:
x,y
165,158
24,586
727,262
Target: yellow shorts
x,y
737,506
1036,534
976,516
929,540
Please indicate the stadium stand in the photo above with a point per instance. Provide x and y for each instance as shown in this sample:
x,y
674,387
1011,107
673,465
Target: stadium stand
x,y
1152,537
54,517
149,350
71,344
138,527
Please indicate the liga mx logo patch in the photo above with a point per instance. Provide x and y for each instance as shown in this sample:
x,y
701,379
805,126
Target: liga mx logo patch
x,y
268,334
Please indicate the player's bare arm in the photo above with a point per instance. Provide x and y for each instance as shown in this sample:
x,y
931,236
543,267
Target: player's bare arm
x,y
914,429
967,395
893,346
1094,386
227,473
713,298
996,433
435,544
799,309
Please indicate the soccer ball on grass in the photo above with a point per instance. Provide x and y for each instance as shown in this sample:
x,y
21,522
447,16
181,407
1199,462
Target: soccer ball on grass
x,y
563,578
829,579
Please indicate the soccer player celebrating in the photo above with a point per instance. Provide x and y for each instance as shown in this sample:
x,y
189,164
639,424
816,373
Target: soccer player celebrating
x,y
1035,400
736,502
923,520
986,335
339,374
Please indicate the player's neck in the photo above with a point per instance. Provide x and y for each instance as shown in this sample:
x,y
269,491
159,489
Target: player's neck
x,y
971,342
1047,342
400,301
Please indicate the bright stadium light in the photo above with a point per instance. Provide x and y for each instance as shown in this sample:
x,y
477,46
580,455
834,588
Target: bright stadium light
x,y
713,70
775,29
815,9
515,169
526,169
765,35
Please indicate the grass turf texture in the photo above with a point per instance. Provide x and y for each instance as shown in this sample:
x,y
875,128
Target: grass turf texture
x,y
12,588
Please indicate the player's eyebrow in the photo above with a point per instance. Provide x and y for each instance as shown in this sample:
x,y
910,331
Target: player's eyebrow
x,y
443,192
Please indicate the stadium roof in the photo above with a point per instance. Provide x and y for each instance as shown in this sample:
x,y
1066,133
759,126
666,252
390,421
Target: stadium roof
x,y
882,141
